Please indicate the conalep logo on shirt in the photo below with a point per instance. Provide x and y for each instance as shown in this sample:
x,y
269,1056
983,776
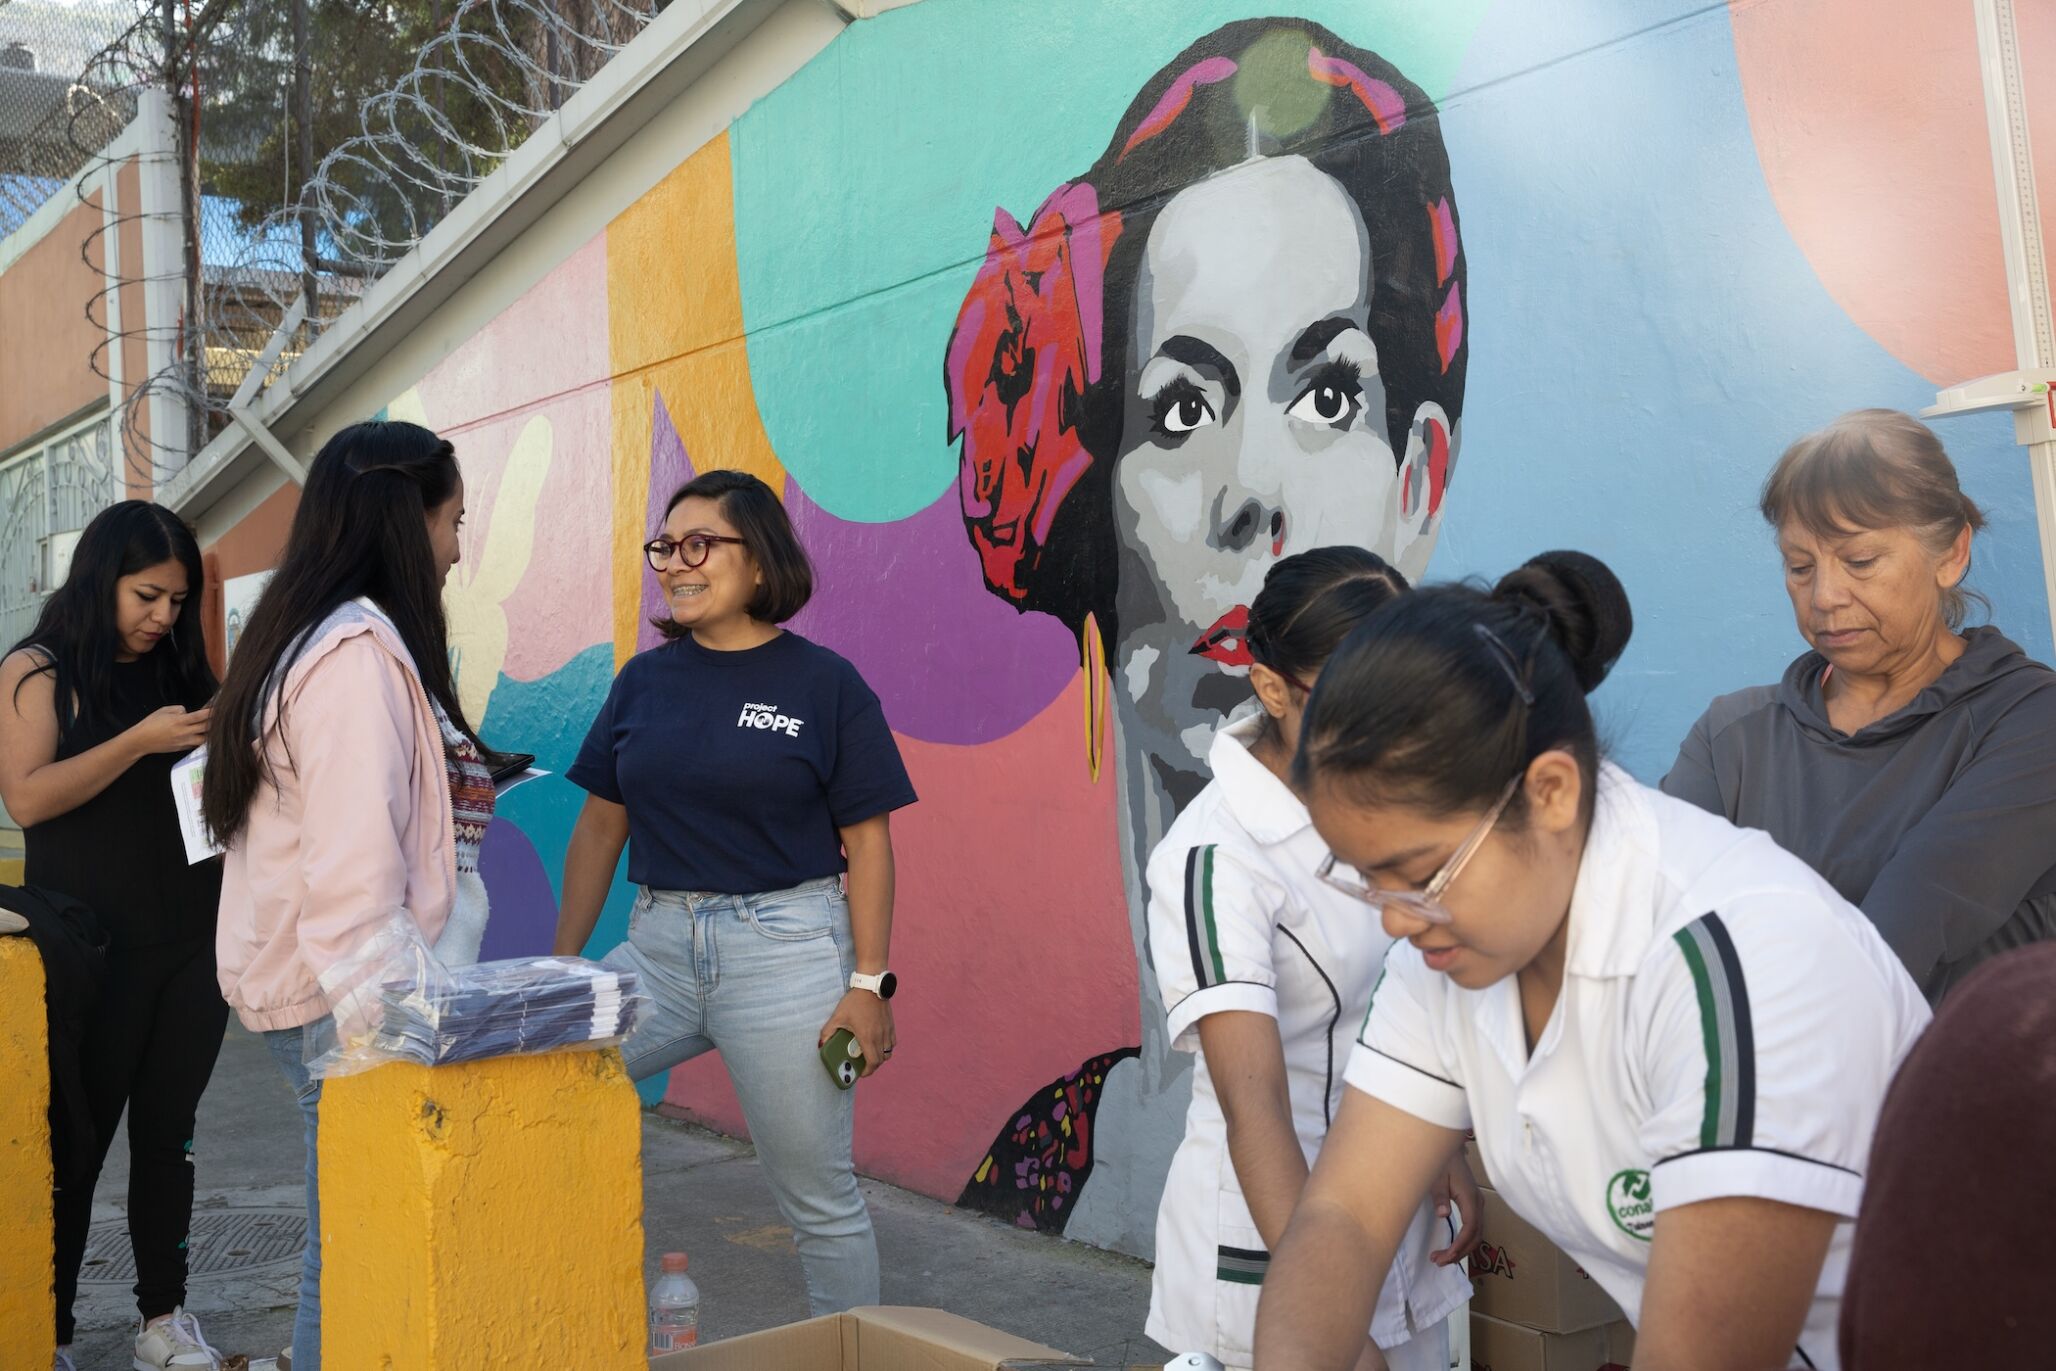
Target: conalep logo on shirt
x,y
1627,1199
767,716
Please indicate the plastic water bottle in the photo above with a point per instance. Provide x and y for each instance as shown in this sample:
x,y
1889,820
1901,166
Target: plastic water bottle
x,y
674,1308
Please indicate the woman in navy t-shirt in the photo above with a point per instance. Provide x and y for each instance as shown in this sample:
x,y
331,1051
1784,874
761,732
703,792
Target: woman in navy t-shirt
x,y
747,769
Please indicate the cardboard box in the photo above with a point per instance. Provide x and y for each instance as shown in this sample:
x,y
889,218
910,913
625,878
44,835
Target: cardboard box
x,y
1520,1277
1500,1346
1620,1343
886,1338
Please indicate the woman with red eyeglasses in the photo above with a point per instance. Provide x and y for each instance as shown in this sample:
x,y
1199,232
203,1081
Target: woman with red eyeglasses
x,y
750,773
1265,972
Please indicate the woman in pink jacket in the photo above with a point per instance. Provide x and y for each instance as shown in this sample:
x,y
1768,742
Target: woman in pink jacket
x,y
342,777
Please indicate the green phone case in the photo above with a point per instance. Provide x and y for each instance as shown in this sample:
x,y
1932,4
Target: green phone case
x,y
843,1058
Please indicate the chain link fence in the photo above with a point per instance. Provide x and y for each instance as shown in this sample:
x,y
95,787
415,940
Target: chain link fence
x,y
53,120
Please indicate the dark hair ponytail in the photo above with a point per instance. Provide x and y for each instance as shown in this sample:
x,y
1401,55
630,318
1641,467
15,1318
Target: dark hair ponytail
x,y
1445,695
1310,602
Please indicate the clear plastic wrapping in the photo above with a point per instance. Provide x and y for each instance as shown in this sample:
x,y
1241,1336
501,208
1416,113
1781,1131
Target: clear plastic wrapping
x,y
394,1002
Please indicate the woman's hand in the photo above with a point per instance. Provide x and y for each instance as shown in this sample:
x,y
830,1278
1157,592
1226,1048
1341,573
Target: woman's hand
x,y
870,1019
170,729
1459,1185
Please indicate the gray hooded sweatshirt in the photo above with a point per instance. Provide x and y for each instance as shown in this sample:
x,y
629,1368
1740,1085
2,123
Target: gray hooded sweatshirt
x,y
1938,820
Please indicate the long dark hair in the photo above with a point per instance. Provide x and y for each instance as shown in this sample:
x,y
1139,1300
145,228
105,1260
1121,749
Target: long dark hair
x,y
75,639
361,530
1445,695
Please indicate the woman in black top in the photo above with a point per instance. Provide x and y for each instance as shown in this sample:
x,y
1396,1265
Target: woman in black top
x,y
96,705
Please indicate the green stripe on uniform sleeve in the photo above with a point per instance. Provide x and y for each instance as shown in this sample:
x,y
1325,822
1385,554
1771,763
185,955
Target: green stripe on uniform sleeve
x,y
1213,933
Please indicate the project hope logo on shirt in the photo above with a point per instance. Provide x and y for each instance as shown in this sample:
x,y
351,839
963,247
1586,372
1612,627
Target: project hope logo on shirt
x,y
767,716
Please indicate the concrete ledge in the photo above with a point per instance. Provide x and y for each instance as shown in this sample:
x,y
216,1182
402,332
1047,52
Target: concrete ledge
x,y
28,1308
483,1215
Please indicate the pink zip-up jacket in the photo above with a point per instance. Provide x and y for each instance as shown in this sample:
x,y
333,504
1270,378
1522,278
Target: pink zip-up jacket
x,y
356,831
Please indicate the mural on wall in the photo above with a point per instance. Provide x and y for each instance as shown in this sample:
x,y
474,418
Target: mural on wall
x,y
1224,312
1241,334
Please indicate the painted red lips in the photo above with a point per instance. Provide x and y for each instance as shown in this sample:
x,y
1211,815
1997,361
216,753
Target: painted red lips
x,y
1227,642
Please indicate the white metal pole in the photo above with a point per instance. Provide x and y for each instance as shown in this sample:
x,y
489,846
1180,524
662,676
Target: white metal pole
x,y
2027,270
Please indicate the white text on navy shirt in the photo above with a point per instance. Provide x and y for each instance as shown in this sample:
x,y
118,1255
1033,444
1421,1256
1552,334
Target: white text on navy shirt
x,y
767,716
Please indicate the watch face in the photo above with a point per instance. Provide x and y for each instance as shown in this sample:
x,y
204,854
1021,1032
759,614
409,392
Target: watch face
x,y
887,985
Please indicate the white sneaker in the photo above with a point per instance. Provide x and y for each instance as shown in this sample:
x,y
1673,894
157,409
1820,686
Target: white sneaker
x,y
176,1342
62,1361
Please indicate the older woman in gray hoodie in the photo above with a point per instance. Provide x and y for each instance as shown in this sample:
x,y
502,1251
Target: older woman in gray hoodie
x,y
1907,759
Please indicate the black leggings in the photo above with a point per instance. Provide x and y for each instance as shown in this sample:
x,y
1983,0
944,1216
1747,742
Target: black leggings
x,y
151,1048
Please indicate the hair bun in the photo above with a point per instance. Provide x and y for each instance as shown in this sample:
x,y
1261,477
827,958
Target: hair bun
x,y
1583,603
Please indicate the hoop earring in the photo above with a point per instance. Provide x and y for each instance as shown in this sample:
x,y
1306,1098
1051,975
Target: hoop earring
x,y
1093,666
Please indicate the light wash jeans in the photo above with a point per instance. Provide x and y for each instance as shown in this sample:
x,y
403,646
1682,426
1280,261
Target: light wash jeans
x,y
754,977
287,1049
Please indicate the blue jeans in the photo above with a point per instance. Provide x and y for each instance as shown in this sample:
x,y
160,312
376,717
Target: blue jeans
x,y
755,977
286,1049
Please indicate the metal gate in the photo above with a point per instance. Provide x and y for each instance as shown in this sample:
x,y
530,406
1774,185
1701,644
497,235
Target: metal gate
x,y
46,496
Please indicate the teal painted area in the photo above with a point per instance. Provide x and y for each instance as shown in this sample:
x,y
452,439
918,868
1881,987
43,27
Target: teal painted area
x,y
549,717
923,121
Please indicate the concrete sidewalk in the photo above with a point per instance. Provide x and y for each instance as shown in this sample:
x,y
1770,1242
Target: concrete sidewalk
x,y
702,1195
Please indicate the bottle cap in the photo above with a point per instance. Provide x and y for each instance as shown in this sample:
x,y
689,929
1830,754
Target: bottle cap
x,y
674,1261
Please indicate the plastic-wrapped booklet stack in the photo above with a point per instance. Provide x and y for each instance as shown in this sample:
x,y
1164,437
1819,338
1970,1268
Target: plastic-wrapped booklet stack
x,y
495,1009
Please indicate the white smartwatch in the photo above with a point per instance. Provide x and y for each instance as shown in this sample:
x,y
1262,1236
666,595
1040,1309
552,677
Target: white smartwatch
x,y
882,985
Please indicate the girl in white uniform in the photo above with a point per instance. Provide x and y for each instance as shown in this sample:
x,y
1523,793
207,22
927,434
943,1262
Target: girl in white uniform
x,y
1671,1037
1266,973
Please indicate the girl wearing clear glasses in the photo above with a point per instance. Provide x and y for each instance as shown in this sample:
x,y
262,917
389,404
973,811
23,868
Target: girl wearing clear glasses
x,y
1670,1037
747,769
1265,973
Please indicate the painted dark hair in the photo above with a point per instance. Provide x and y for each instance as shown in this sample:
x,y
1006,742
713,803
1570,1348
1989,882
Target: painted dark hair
x,y
75,639
759,516
361,530
1037,365
1312,600
1424,704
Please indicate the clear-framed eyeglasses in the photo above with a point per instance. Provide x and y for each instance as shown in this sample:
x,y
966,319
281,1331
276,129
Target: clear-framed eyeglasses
x,y
1424,904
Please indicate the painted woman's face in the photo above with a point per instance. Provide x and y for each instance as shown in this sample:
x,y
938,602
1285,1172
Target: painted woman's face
x,y
1255,428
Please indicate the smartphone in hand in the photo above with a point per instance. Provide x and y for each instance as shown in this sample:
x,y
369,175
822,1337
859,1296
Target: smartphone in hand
x,y
843,1058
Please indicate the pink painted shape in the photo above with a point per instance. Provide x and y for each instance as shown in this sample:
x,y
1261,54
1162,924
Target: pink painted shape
x,y
1872,138
549,342
1449,325
1442,225
1010,936
549,615
544,354
906,603
1174,101
1383,102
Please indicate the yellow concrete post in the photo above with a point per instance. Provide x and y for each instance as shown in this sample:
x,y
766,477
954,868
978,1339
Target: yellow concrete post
x,y
483,1215
28,1308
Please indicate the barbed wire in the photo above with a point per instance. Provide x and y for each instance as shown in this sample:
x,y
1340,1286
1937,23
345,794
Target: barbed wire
x,y
492,73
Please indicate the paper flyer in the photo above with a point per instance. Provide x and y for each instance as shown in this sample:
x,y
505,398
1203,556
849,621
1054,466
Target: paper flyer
x,y
186,777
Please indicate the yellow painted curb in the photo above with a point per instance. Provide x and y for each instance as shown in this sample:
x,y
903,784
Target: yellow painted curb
x,y
28,1309
483,1215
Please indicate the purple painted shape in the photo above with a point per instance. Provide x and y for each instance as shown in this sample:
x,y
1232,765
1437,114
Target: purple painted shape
x,y
670,468
524,905
907,604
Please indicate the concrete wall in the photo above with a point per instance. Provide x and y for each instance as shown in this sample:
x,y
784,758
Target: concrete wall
x,y
1667,241
45,336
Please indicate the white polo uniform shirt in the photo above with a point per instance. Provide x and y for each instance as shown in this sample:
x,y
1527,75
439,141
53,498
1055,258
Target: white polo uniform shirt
x,y
1237,921
1728,1026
